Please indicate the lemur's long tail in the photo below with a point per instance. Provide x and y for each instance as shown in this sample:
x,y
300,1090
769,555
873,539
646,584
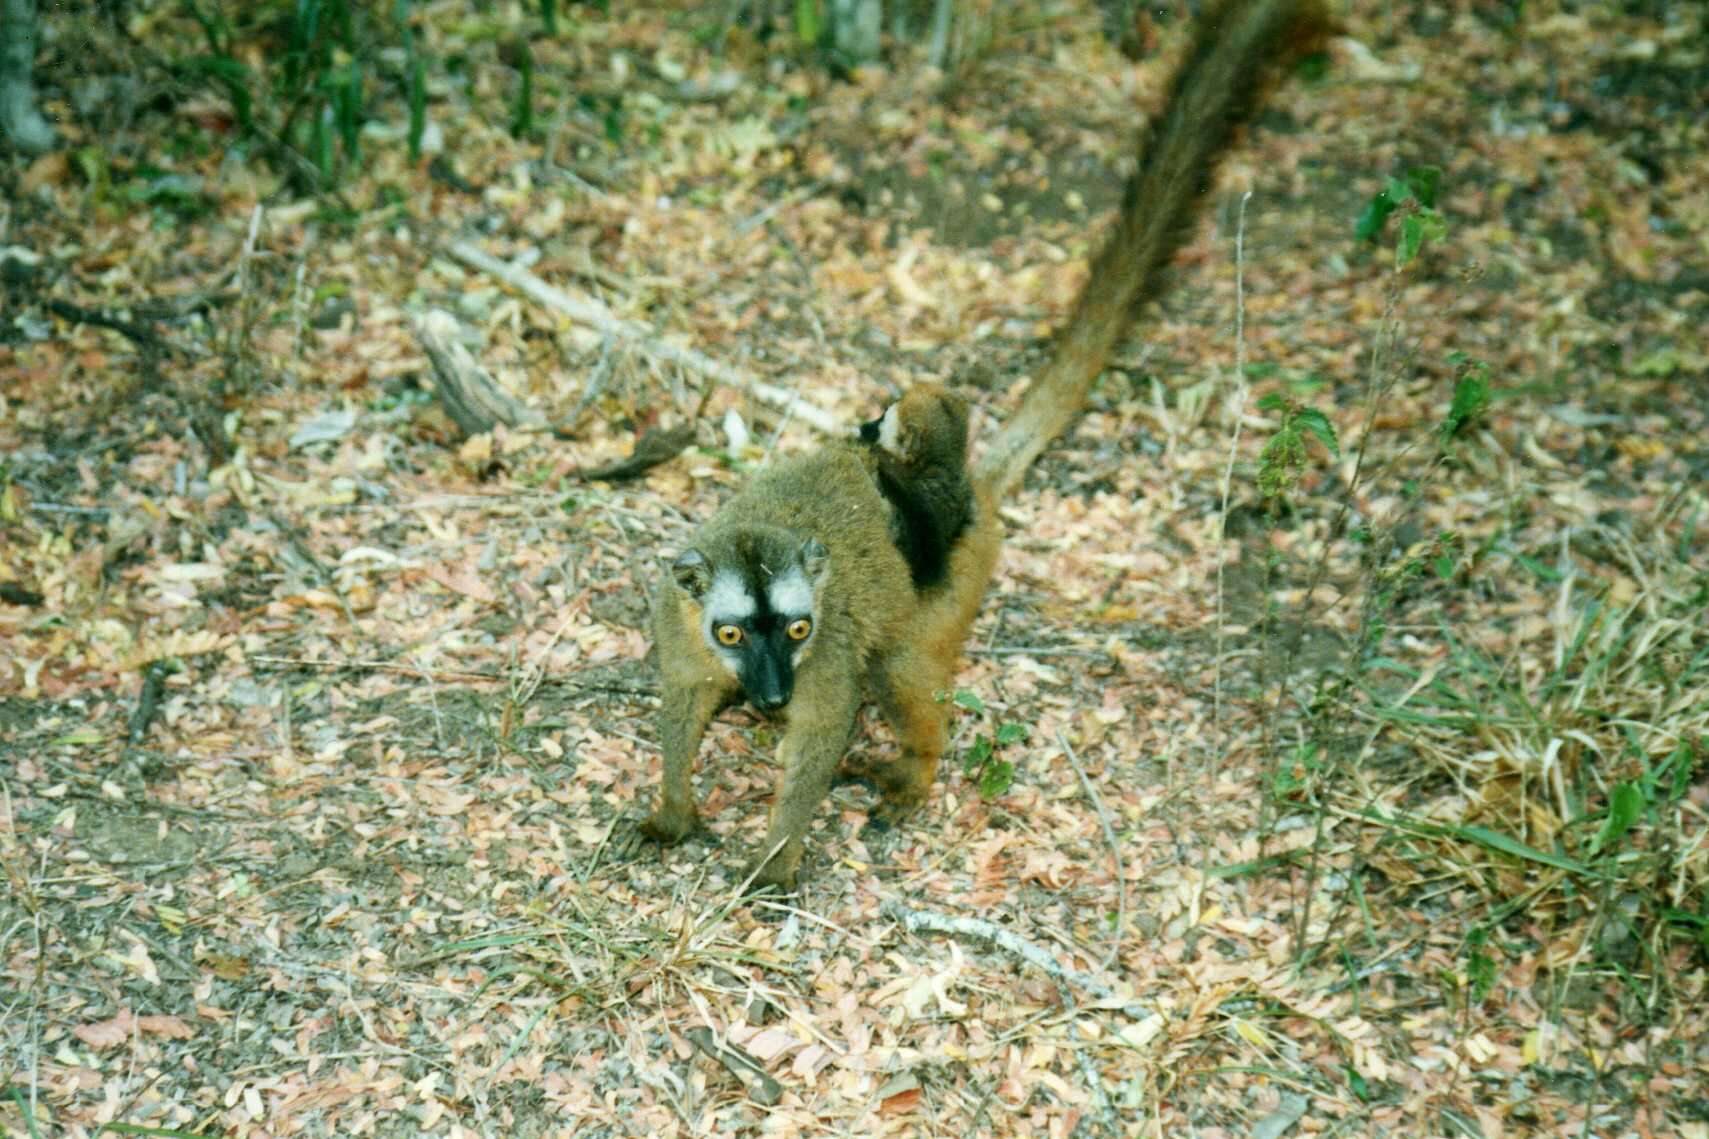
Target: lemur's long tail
x,y
1239,48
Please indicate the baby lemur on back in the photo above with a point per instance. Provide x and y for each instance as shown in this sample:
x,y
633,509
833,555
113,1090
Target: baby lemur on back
x,y
855,572
919,451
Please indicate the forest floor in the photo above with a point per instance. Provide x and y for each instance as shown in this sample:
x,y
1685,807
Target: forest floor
x,y
1376,807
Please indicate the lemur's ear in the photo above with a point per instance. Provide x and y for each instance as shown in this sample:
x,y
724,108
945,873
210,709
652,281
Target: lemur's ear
x,y
815,558
693,573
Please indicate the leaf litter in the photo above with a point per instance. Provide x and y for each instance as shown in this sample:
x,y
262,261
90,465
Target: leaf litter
x,y
364,872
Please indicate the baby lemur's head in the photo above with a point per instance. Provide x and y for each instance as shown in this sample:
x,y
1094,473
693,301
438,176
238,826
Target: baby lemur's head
x,y
926,428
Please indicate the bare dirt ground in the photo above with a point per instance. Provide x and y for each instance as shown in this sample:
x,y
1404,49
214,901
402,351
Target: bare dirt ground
x,y
324,728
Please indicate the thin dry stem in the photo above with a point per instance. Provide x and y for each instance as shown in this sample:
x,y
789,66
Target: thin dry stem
x,y
1233,447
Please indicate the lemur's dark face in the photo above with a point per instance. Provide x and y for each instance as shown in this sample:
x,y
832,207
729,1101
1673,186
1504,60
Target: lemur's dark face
x,y
758,599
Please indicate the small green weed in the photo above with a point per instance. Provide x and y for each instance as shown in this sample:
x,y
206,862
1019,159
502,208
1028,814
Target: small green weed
x,y
1283,458
1413,196
981,761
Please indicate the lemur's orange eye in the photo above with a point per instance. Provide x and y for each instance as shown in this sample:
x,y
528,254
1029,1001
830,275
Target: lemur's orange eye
x,y
730,635
799,629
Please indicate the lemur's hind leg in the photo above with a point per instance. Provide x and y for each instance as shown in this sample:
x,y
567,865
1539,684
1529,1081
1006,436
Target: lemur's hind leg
x,y
913,698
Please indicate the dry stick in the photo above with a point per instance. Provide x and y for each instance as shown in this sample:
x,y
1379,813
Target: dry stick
x,y
286,734
1233,443
468,392
799,194
376,666
300,305
61,508
537,671
977,929
1095,1082
240,328
1115,853
762,1089
747,883
125,1109
594,386
643,336
138,333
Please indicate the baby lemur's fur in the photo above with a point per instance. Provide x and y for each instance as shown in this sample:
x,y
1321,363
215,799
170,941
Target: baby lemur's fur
x,y
855,572
919,449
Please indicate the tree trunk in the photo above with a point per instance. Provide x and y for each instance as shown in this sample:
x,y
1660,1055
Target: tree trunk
x,y
19,119
855,26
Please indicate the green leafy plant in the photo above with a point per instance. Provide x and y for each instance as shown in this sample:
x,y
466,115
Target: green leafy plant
x,y
1480,966
522,119
981,760
300,75
1471,395
809,26
416,63
1283,458
1293,777
1413,195
1600,747
323,79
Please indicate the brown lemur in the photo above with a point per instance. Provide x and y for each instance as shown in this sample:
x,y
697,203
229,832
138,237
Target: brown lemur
x,y
800,592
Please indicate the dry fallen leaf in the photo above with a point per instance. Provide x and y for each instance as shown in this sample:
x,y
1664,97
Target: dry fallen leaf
x,y
106,1033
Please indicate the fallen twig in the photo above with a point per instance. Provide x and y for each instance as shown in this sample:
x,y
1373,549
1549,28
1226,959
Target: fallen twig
x,y
655,446
14,594
594,385
1115,850
762,1089
782,202
619,685
141,334
472,398
62,508
375,666
977,929
643,336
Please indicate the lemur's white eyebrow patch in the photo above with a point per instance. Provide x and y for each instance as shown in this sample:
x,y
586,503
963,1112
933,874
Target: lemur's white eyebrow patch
x,y
728,599
790,595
